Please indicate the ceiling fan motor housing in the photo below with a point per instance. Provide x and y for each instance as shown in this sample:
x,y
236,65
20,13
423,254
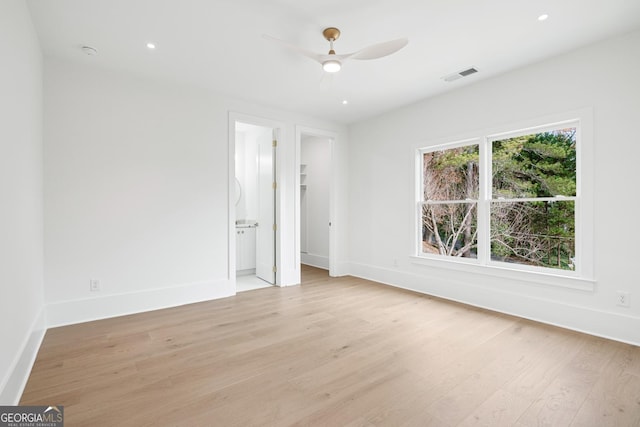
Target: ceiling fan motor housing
x,y
331,33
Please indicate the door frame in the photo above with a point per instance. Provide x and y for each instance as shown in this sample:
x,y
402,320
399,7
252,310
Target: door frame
x,y
332,137
278,129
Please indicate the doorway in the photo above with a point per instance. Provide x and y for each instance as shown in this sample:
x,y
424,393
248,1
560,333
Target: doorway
x,y
316,204
255,206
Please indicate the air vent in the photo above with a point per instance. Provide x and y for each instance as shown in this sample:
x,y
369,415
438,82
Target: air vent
x,y
460,74
465,73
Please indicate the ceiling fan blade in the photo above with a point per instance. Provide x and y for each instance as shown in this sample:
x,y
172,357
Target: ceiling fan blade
x,y
379,50
294,48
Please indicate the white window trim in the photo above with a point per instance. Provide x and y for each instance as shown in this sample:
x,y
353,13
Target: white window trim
x,y
583,277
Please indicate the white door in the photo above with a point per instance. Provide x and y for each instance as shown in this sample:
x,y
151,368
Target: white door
x,y
265,232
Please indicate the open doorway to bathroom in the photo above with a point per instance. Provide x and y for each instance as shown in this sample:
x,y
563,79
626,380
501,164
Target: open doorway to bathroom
x,y
255,206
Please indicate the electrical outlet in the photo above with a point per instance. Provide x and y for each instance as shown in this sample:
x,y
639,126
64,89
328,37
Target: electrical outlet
x,y
622,299
94,285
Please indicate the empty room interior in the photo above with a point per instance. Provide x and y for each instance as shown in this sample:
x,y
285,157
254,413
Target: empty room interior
x,y
332,213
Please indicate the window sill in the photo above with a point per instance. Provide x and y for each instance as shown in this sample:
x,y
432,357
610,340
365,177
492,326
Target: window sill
x,y
539,278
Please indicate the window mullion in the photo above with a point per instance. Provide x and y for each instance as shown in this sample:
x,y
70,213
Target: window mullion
x,y
484,239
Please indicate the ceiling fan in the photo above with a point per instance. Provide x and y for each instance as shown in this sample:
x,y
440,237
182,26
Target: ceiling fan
x,y
332,62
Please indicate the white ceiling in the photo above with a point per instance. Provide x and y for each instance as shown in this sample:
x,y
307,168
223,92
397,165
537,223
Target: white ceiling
x,y
218,44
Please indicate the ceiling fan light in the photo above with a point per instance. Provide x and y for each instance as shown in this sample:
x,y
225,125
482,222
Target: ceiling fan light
x,y
331,66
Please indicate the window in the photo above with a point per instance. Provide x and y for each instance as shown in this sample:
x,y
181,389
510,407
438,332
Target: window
x,y
533,193
450,207
509,200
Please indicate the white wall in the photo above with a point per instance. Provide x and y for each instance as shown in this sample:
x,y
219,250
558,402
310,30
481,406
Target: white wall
x,y
137,190
246,176
315,153
21,288
247,169
381,203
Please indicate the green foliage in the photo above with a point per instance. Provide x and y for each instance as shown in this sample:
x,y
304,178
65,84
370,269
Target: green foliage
x,y
526,232
536,165
531,166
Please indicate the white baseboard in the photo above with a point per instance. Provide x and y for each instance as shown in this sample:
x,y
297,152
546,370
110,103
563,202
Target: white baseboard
x,y
85,310
19,373
247,272
341,269
600,323
318,261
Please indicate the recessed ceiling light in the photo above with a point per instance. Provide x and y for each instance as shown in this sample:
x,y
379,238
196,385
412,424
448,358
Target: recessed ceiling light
x,y
151,45
543,17
345,102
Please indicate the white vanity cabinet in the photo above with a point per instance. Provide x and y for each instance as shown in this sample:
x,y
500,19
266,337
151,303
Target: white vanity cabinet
x,y
246,249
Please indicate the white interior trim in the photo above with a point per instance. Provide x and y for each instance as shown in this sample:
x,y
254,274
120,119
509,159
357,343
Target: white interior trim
x,y
335,227
16,379
583,277
591,321
317,261
279,129
88,309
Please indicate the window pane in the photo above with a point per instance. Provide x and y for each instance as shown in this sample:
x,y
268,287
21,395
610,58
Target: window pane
x,y
534,233
535,165
451,174
450,229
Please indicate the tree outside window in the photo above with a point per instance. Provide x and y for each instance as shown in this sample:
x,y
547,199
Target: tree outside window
x,y
449,217
527,216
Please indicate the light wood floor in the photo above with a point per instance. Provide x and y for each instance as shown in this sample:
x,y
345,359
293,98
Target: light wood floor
x,y
333,352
